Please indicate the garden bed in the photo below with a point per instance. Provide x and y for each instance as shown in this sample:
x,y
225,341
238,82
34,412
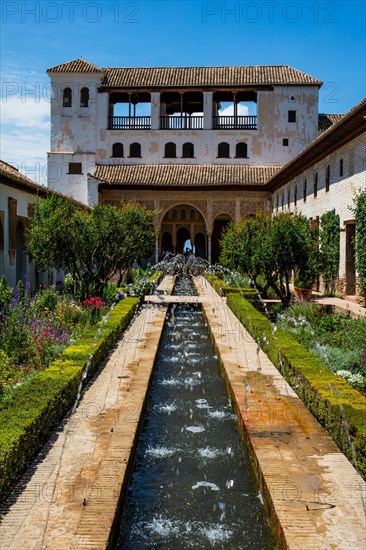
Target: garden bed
x,y
338,407
34,408
37,406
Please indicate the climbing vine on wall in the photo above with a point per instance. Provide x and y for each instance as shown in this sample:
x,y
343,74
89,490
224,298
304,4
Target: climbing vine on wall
x,y
360,243
329,249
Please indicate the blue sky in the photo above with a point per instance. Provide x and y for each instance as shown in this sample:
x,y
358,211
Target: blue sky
x,y
322,38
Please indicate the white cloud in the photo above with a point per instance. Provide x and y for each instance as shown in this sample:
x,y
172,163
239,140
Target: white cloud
x,y
229,110
25,121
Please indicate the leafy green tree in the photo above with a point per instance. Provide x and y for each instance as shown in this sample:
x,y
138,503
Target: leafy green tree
x,y
329,241
360,241
269,249
91,245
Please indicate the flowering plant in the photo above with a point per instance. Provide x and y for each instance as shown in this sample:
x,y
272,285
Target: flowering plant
x,y
94,303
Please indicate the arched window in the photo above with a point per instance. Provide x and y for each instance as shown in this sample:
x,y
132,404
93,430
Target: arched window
x,y
174,213
223,150
117,150
135,150
183,214
191,214
67,97
170,150
84,97
188,150
241,150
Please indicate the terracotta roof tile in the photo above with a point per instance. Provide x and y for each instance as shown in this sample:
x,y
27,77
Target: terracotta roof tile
x,y
325,121
10,174
162,77
76,66
184,175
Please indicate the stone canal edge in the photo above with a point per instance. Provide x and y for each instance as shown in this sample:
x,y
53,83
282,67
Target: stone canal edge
x,y
315,498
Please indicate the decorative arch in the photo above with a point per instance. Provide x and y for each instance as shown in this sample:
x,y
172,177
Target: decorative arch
x,y
176,205
84,97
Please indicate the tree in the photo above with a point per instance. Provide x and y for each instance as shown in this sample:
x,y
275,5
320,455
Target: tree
x,y
269,249
360,240
329,249
91,245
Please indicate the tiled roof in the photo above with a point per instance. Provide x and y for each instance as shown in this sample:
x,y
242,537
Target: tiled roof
x,y
325,121
11,175
76,66
160,77
10,172
184,175
207,76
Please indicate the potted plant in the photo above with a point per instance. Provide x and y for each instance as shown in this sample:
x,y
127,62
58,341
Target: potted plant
x,y
303,284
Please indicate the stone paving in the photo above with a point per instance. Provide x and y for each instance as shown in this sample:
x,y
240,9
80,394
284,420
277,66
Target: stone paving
x,y
69,497
317,499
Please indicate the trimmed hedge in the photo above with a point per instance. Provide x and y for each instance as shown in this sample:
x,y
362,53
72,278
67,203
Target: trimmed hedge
x,y
223,290
340,409
29,417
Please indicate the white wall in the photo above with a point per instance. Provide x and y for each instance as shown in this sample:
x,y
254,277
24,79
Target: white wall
x,y
81,135
341,191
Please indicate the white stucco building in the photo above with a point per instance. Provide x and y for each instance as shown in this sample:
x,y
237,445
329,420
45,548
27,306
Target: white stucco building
x,y
195,143
326,175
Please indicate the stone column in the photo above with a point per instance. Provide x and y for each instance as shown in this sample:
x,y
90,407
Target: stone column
x,y
155,110
207,110
209,247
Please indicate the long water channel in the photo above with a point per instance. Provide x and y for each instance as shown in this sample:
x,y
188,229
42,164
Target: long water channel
x,y
192,483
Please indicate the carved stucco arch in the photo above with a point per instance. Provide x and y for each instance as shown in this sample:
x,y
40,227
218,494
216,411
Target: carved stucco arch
x,y
175,204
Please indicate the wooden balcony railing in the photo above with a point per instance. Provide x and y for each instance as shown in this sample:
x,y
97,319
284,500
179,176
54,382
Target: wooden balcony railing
x,y
181,123
235,123
129,123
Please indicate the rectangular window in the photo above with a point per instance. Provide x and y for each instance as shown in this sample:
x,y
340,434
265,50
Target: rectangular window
x,y
288,197
75,168
327,178
341,167
295,196
285,142
315,184
292,116
305,189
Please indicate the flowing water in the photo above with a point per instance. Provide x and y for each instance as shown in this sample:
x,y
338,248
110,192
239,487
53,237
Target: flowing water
x,y
192,483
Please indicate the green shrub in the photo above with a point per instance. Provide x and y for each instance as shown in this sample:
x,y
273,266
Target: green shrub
x,y
36,407
338,407
223,290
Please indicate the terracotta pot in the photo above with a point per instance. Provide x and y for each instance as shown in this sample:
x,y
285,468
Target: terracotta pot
x,y
303,294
